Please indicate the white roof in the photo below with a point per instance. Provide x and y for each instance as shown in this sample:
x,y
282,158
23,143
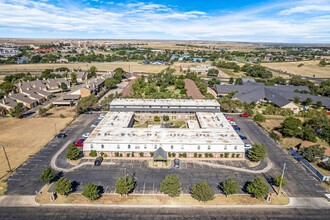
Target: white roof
x,y
166,102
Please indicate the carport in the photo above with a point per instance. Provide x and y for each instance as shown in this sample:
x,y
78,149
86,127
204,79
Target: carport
x,y
160,155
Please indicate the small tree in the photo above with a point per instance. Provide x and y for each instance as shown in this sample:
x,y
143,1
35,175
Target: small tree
x,y
258,152
180,84
92,71
73,152
64,86
17,111
47,175
170,185
290,127
202,191
141,154
212,72
42,111
93,153
231,80
166,118
258,188
277,181
91,191
230,186
110,82
308,101
73,78
259,117
63,186
313,152
318,104
323,63
156,118
124,185
296,99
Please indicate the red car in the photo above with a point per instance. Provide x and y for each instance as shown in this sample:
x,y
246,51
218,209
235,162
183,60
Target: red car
x,y
244,115
79,143
230,119
234,126
328,113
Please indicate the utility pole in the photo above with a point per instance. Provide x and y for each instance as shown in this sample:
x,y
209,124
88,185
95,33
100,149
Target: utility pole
x,y
3,148
279,191
125,176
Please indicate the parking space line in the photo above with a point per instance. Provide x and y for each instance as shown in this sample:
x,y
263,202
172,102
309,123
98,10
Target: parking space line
x,y
105,191
144,186
140,163
153,187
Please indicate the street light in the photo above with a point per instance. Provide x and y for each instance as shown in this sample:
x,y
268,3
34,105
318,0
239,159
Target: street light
x,y
3,148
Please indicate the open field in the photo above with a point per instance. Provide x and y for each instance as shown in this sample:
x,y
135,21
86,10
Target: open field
x,y
310,68
185,199
106,66
25,137
58,111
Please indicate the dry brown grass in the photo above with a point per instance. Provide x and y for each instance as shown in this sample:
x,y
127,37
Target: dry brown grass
x,y
272,122
286,143
25,137
3,187
44,198
110,66
63,110
309,68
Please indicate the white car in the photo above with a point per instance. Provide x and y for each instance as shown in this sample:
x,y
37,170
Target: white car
x,y
102,115
93,126
85,135
231,123
248,146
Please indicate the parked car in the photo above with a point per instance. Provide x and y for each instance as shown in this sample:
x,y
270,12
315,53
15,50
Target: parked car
x,y
231,122
243,137
230,119
98,161
237,128
248,146
234,126
97,121
101,115
245,115
85,135
93,126
226,116
176,163
89,112
79,143
61,135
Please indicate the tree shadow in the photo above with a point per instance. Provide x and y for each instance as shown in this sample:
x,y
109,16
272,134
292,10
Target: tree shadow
x,y
244,189
74,186
101,189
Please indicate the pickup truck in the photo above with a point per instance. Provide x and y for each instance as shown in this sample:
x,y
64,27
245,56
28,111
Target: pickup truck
x,y
79,143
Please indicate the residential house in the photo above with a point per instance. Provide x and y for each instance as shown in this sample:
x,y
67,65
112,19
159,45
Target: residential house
x,y
94,86
21,98
9,103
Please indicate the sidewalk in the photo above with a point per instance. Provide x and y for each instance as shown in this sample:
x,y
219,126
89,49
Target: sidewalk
x,y
18,201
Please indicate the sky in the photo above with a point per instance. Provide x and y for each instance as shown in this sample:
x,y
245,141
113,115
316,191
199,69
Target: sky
x,y
297,21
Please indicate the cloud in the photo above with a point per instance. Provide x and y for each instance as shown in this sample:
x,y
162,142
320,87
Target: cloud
x,y
266,23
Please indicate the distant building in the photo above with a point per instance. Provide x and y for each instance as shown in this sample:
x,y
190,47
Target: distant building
x,y
23,60
44,50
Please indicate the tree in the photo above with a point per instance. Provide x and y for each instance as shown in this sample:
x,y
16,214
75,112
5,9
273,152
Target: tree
x,y
212,72
319,104
231,80
42,111
202,191
325,165
63,186
180,84
166,118
92,70
73,78
170,185
85,103
156,118
239,81
290,127
17,111
258,187
64,86
257,152
73,152
230,186
323,63
308,133
47,175
296,99
7,87
110,82
124,185
313,152
259,117
277,181
308,101
91,191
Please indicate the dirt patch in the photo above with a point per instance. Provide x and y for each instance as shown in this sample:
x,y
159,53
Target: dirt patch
x,y
310,68
58,111
25,137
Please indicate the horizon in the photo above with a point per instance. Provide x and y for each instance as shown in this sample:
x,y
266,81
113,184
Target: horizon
x,y
300,22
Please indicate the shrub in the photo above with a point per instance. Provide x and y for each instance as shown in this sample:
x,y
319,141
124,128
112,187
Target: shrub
x,y
184,154
102,154
124,186
195,154
274,136
258,152
277,181
230,186
237,155
202,191
62,116
259,117
173,154
210,155
258,188
117,154
132,154
170,185
141,154
120,155
127,155
169,154
91,191
93,153
73,152
151,154
206,155
226,155
199,155
105,155
325,165
156,118
63,186
221,155
232,155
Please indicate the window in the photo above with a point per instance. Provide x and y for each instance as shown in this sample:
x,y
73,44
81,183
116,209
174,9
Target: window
x,y
172,147
145,146
118,146
102,146
198,147
155,147
209,147
235,147
225,147
129,146
182,147
137,147
91,146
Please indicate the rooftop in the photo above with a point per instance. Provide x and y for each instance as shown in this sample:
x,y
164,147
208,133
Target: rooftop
x,y
166,102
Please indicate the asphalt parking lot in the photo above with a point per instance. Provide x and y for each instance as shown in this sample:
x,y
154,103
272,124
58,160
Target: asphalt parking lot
x,y
148,179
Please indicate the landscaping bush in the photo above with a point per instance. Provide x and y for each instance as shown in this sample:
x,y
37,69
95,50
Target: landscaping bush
x,y
195,154
277,181
124,186
173,154
141,154
184,155
127,155
221,155
91,191
230,186
105,155
120,155
232,155
226,155
237,155
274,136
47,175
93,153
156,118
132,154
202,191
169,154
258,188
210,155
206,155
63,186
325,165
259,117
171,185
258,152
151,154
199,155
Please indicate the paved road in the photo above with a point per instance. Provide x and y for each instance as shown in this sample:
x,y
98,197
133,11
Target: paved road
x,y
300,181
25,181
160,213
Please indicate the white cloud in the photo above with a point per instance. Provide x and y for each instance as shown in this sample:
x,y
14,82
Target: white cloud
x,y
306,9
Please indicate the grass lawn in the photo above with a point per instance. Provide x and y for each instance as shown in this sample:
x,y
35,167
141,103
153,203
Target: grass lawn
x,y
25,137
44,198
321,170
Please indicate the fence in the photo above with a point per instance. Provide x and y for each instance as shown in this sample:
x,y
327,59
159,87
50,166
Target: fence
x,y
309,166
